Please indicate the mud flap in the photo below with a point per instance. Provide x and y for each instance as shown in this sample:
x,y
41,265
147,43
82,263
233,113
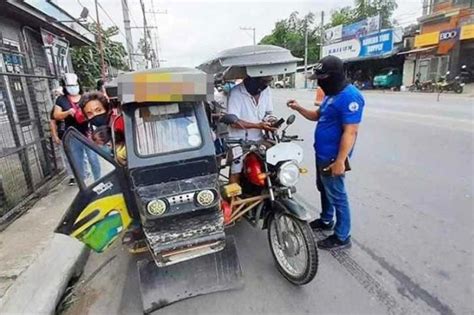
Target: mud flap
x,y
215,272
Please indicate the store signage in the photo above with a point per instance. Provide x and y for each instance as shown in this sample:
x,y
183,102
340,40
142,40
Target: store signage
x,y
354,30
345,50
361,28
449,34
467,32
427,39
376,44
333,34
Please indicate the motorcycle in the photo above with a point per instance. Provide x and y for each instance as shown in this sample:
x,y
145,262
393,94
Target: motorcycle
x,y
445,85
421,86
467,76
265,197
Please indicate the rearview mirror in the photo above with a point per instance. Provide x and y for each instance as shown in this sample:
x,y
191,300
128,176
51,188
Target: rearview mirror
x,y
290,119
229,119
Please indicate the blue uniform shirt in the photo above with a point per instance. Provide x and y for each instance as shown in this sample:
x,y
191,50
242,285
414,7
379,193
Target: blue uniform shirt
x,y
335,111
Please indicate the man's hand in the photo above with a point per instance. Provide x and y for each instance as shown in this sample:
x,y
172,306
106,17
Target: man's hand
x,y
266,126
293,104
72,112
337,168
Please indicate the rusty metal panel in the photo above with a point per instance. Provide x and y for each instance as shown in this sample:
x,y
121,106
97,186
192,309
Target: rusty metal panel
x,y
216,272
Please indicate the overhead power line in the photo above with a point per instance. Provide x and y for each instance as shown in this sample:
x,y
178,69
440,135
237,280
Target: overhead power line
x,y
111,20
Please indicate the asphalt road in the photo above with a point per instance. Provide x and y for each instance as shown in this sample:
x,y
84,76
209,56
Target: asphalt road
x,y
411,192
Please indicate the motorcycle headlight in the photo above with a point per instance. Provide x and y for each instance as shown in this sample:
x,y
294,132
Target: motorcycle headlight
x,y
289,174
205,198
156,207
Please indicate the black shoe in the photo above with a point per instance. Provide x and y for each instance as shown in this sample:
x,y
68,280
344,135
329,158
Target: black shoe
x,y
332,242
319,224
71,182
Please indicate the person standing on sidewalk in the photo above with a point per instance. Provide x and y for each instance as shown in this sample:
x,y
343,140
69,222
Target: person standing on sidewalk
x,y
67,109
335,135
57,131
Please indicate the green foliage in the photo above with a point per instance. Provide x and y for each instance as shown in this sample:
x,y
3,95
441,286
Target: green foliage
x,y
290,34
363,9
341,16
86,59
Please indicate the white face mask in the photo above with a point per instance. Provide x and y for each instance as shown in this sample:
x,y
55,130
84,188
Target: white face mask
x,y
73,90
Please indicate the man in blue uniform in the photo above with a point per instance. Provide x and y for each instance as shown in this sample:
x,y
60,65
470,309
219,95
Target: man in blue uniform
x,y
338,120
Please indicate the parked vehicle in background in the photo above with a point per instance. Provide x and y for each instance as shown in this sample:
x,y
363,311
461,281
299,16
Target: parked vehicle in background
x,y
363,85
419,86
285,83
467,75
445,84
388,78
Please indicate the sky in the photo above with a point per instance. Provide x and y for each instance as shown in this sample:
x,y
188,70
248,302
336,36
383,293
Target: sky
x,y
192,31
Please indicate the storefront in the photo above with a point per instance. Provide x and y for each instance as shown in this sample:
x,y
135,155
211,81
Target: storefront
x,y
445,44
368,55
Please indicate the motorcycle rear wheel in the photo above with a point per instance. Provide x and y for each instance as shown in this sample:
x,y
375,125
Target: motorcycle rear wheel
x,y
299,240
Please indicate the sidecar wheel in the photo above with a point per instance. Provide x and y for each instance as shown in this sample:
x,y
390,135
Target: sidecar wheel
x,y
299,241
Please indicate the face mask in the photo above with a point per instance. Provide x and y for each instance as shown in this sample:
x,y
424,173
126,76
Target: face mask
x,y
106,149
254,85
73,90
99,120
227,87
332,85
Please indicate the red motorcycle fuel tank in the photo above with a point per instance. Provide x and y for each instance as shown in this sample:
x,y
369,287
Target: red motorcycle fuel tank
x,y
253,169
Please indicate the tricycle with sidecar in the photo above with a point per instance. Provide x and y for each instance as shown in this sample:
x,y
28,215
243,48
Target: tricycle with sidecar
x,y
170,199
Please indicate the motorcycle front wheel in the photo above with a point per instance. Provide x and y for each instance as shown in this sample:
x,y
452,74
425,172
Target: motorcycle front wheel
x,y
295,251
458,89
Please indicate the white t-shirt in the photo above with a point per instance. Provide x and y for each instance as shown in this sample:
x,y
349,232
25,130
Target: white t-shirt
x,y
243,105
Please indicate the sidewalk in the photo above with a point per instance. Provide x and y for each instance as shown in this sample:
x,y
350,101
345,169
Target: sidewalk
x,y
35,263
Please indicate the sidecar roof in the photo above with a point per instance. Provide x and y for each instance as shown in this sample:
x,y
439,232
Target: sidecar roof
x,y
165,85
254,61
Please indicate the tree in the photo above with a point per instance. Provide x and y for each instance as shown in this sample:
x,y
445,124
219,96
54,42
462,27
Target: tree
x,y
363,9
290,34
341,16
86,59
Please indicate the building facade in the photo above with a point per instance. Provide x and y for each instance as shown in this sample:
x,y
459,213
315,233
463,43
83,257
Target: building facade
x,y
446,39
35,37
366,49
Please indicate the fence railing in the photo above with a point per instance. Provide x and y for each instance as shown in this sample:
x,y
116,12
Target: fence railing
x,y
27,154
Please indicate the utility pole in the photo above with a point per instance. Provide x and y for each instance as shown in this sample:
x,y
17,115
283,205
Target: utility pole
x,y
128,32
321,36
306,56
157,54
145,32
101,45
250,29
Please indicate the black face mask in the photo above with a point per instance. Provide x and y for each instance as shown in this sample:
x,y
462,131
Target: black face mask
x,y
254,85
332,85
99,120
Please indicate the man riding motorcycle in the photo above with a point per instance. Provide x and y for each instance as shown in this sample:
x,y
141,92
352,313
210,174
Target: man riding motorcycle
x,y
251,102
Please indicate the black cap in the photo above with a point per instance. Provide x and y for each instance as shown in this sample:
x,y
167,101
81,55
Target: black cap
x,y
326,66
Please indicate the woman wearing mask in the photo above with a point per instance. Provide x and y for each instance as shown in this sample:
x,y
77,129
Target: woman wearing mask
x,y
67,109
99,114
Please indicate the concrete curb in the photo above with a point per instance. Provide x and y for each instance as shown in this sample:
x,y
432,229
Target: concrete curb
x,y
30,200
39,289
